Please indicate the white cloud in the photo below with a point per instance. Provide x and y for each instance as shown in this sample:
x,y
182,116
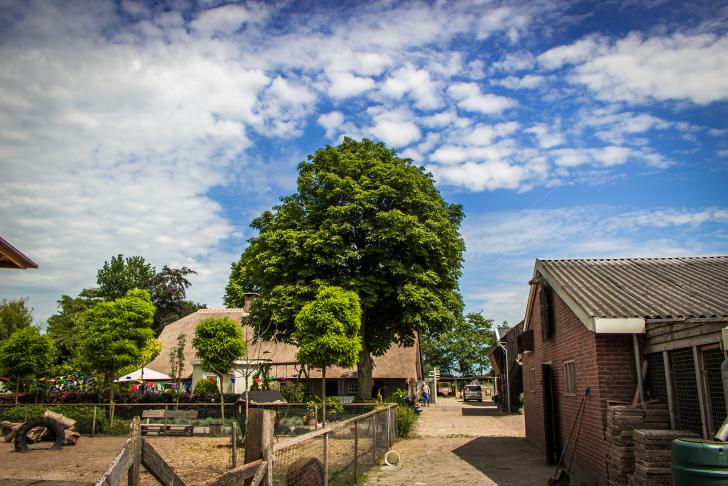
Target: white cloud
x,y
470,98
547,138
416,83
605,156
346,85
529,81
331,122
637,68
228,18
395,128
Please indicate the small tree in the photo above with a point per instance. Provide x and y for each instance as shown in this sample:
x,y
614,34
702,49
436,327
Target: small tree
x,y
14,314
219,343
177,361
117,333
327,332
26,353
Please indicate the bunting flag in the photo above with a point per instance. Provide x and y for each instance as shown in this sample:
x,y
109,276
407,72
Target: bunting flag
x,y
232,379
4,378
212,380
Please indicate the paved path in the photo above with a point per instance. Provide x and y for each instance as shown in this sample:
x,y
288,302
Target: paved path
x,y
468,444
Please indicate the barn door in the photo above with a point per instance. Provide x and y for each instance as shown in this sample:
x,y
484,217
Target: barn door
x,y
549,415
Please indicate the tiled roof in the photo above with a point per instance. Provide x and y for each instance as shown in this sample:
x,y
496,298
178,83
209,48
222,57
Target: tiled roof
x,y
648,288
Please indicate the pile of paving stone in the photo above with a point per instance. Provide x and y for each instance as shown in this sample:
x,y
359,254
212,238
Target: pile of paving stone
x,y
652,456
622,420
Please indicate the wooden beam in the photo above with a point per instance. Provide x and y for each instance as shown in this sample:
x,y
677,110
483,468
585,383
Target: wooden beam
x,y
118,467
234,477
670,396
701,389
157,466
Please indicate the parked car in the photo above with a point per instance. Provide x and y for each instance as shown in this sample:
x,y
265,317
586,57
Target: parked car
x,y
473,392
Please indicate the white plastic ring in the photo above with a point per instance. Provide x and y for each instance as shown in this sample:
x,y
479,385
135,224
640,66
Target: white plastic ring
x,y
386,458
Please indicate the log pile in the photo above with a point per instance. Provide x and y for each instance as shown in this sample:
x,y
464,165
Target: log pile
x,y
9,429
622,420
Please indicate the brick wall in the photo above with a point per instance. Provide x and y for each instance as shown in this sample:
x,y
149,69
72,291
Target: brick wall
x,y
602,362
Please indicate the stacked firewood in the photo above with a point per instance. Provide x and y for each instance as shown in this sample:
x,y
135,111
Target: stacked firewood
x,y
652,456
10,429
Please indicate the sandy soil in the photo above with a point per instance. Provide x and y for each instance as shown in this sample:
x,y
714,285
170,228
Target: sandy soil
x,y
465,444
193,458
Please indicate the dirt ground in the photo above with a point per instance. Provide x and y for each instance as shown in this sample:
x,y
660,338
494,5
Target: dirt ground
x,y
469,443
193,458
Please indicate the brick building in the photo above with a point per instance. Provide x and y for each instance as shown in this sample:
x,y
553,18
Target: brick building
x,y
595,323
505,361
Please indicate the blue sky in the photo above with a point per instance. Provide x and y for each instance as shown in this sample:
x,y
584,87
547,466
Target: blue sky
x,y
566,129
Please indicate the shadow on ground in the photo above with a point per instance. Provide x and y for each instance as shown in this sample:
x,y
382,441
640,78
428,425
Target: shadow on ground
x,y
506,460
489,411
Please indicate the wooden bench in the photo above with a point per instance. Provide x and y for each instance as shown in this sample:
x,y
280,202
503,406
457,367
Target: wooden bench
x,y
165,427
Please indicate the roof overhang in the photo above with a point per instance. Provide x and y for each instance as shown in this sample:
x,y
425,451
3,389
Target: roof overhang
x,y
11,257
599,325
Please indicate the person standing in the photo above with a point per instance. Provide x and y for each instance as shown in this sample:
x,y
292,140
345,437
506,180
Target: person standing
x,y
426,395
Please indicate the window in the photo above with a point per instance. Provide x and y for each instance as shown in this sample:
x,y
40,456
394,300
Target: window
x,y
532,379
569,378
545,298
352,388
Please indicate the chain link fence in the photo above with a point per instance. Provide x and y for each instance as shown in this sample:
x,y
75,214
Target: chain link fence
x,y
342,451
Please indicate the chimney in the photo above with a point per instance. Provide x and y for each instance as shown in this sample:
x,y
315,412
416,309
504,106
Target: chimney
x,y
248,298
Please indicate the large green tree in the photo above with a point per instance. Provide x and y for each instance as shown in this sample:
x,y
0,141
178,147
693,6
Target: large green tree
x,y
117,333
462,349
168,287
327,332
219,343
26,353
365,220
14,314
65,327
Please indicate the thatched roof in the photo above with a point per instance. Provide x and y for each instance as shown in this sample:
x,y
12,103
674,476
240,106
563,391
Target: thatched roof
x,y
398,362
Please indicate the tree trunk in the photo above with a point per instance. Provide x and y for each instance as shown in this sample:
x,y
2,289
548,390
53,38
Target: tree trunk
x,y
323,394
111,396
222,404
364,369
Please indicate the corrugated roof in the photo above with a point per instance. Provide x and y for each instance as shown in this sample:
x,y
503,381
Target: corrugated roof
x,y
648,288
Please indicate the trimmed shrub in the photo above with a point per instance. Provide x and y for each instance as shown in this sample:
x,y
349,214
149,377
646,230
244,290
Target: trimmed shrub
x,y
406,421
204,386
120,428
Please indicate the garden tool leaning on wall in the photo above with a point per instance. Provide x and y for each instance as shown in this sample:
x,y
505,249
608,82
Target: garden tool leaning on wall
x,y
563,478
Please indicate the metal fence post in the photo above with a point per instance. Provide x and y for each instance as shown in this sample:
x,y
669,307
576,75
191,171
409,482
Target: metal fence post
x,y
389,422
374,439
326,459
234,443
93,423
356,451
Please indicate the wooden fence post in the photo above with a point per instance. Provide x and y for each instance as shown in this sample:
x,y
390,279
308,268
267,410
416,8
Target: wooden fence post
x,y
259,440
374,439
136,444
356,452
326,459
93,423
234,443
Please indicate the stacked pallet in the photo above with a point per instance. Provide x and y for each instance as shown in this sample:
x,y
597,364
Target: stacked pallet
x,y
621,421
652,456
657,416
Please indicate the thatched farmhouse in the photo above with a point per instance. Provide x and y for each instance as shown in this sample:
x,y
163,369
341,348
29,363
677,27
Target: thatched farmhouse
x,y
634,330
395,369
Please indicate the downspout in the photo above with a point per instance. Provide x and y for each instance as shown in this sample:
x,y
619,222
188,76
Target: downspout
x,y
638,367
508,379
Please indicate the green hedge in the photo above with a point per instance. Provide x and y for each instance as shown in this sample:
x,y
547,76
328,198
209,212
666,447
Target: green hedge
x,y
406,421
83,415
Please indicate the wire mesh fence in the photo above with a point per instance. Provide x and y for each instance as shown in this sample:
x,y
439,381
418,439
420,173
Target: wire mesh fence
x,y
342,451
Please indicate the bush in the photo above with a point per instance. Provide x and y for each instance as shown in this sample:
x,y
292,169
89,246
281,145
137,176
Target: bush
x,y
397,396
120,428
83,415
204,386
406,420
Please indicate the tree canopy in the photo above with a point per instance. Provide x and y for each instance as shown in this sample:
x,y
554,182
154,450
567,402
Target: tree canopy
x,y
167,287
14,315
26,353
327,329
219,343
365,220
462,349
66,326
116,333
